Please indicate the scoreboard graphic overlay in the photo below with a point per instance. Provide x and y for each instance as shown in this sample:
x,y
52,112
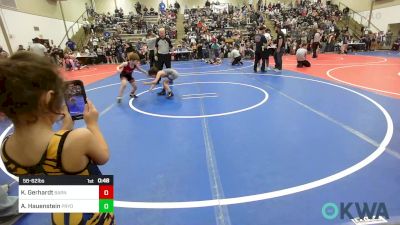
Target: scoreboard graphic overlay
x,y
68,194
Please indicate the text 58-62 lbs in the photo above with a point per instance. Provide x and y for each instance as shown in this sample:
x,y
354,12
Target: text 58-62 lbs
x,y
33,181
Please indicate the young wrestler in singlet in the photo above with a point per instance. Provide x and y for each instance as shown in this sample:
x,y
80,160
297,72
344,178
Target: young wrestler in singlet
x,y
126,69
31,96
168,74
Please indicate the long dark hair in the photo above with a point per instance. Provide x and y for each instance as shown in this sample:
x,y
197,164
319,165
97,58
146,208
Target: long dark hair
x,y
24,78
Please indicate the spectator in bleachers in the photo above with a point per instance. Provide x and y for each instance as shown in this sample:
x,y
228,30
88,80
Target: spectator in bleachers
x,y
38,48
21,48
89,9
138,8
389,35
114,53
373,37
3,53
69,62
120,52
215,48
315,43
200,54
308,16
345,43
242,48
86,26
396,44
108,54
162,7
48,48
152,12
71,45
101,57
177,6
208,4
151,45
346,12
54,55
129,48
330,45
94,42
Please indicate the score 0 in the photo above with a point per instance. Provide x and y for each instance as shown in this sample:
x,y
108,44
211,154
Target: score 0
x,y
106,196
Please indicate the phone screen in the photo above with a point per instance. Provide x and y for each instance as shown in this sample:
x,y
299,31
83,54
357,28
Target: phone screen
x,y
75,99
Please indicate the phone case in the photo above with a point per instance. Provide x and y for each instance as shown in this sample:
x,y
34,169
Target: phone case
x,y
68,94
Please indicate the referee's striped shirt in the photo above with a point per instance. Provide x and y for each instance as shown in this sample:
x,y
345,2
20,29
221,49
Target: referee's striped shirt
x,y
163,45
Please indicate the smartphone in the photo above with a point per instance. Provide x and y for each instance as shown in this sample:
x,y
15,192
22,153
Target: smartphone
x,y
75,98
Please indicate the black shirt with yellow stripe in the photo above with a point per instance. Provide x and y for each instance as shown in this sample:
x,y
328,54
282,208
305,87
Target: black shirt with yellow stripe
x,y
50,164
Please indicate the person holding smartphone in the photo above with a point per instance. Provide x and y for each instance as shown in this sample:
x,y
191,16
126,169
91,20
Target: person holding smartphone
x,y
126,69
32,97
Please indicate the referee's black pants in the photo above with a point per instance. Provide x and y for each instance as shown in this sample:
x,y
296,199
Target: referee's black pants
x,y
151,58
163,59
264,58
315,46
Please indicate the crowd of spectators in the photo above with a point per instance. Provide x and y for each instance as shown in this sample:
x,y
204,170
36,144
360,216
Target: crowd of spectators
x,y
106,43
234,26
131,23
304,19
212,28
214,31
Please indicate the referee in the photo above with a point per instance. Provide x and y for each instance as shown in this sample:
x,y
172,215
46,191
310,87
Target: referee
x,y
280,48
163,49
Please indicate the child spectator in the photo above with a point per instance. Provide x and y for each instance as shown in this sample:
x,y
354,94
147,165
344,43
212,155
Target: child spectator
x,y
237,58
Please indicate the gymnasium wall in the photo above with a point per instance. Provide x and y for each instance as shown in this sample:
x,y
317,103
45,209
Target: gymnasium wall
x,y
45,14
20,28
50,8
385,12
395,28
384,16
365,5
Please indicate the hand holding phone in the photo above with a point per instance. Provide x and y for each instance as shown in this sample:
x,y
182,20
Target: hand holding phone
x,y
67,122
90,114
75,98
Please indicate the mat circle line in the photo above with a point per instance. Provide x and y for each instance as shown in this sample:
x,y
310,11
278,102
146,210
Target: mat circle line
x,y
329,74
267,195
207,115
